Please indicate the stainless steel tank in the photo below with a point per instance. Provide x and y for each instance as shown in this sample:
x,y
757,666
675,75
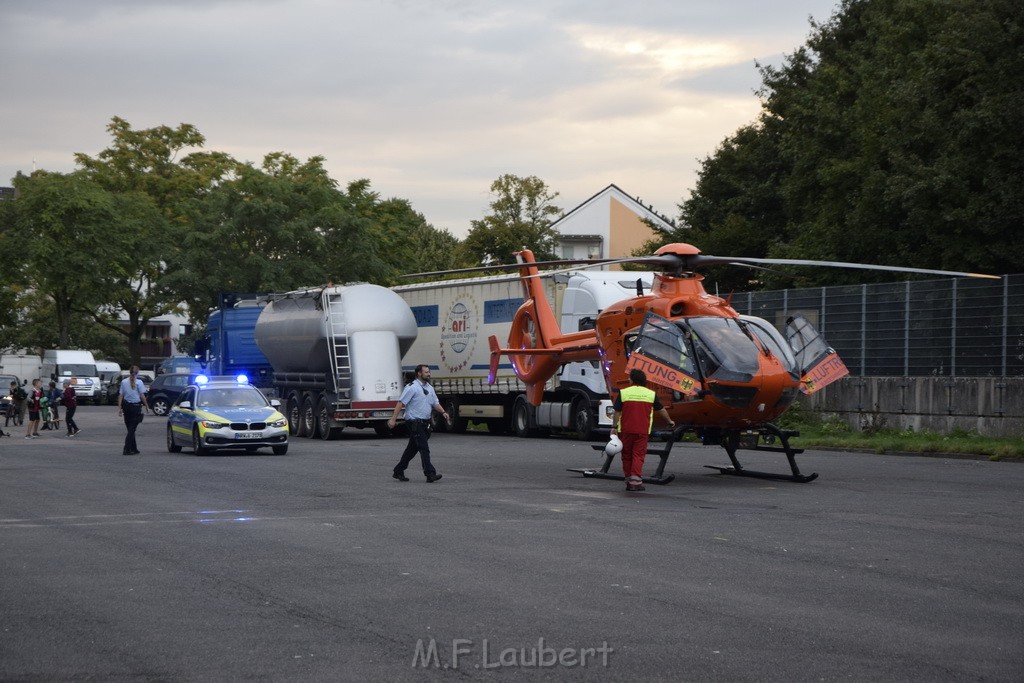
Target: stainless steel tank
x,y
293,329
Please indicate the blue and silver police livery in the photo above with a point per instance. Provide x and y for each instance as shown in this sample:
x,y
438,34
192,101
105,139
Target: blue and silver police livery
x,y
225,412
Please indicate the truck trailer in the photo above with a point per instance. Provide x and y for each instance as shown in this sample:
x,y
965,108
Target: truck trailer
x,y
25,366
455,319
333,354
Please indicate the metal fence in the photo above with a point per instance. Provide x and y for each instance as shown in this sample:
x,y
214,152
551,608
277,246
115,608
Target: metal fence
x,y
944,328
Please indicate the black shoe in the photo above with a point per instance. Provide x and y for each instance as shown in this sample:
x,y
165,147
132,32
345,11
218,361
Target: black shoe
x,y
431,478
399,477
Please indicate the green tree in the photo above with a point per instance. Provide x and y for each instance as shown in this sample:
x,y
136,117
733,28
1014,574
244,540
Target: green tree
x,y
894,136
737,208
281,226
153,188
64,222
403,239
11,281
521,216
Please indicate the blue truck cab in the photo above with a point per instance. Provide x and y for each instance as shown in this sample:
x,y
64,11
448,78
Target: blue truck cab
x,y
229,347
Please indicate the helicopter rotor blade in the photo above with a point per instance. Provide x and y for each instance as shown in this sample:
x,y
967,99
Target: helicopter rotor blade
x,y
715,260
580,264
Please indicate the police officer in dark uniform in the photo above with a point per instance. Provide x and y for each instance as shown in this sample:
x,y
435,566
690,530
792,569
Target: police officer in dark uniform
x,y
418,400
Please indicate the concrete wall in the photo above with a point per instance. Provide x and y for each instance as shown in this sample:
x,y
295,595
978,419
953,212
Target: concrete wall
x,y
991,406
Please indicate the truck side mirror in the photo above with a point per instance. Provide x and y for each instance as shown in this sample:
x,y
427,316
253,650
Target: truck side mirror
x,y
201,348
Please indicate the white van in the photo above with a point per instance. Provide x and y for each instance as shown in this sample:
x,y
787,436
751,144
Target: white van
x,y
24,366
79,367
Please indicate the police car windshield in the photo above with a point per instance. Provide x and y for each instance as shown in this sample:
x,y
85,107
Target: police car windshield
x,y
222,397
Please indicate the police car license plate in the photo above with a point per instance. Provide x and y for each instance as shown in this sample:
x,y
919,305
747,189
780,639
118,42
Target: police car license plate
x,y
249,435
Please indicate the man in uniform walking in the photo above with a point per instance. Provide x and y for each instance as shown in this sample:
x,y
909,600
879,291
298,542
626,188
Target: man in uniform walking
x,y
418,400
634,414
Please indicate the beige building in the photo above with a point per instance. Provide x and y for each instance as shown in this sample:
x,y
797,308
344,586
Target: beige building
x,y
608,225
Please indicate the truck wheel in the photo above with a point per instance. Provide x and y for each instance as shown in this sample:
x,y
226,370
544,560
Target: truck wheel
x,y
308,424
521,414
583,419
293,411
458,424
323,418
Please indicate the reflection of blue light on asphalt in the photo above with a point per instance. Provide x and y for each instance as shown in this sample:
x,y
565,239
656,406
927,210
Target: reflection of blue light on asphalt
x,y
243,519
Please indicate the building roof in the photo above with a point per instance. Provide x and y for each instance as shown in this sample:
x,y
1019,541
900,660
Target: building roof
x,y
660,222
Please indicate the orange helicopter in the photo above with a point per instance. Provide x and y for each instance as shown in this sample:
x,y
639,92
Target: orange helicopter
x,y
722,375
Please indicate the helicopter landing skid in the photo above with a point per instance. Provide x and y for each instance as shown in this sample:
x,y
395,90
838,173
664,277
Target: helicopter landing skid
x,y
775,476
732,443
659,475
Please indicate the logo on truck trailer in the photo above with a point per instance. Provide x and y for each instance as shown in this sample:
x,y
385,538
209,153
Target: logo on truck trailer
x,y
458,338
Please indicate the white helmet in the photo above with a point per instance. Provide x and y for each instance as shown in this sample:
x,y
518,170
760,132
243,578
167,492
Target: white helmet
x,y
614,445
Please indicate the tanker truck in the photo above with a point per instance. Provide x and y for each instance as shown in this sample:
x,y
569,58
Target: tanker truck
x,y
455,319
335,353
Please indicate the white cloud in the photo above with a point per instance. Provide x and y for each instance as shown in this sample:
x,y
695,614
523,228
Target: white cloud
x,y
430,101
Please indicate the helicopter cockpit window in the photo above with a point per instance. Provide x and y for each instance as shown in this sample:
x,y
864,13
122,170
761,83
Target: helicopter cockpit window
x,y
808,345
666,342
724,349
774,342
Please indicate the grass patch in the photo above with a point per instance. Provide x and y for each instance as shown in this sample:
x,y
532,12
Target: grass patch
x,y
824,432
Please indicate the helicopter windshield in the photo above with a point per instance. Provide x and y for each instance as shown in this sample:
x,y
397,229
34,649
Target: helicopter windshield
x,y
772,340
664,341
724,349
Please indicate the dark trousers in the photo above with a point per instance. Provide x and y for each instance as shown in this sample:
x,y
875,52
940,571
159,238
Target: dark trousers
x,y
132,414
69,419
418,436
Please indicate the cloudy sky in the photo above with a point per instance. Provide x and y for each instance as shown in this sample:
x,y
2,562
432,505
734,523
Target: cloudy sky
x,y
431,99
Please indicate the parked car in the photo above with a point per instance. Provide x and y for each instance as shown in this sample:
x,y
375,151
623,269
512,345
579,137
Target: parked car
x,y
166,389
114,385
225,413
179,364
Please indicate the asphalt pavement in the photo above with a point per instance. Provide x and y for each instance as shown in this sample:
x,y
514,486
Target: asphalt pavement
x,y
318,566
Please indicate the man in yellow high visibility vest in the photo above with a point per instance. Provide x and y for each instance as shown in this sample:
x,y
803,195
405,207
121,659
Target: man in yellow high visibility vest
x,y
634,414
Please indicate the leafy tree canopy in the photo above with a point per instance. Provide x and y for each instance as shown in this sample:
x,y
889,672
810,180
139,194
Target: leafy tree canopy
x,y
521,216
894,136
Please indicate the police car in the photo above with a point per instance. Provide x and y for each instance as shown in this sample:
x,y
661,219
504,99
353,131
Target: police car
x,y
218,413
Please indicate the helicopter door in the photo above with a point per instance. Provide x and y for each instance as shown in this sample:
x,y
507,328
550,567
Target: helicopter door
x,y
818,362
664,352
